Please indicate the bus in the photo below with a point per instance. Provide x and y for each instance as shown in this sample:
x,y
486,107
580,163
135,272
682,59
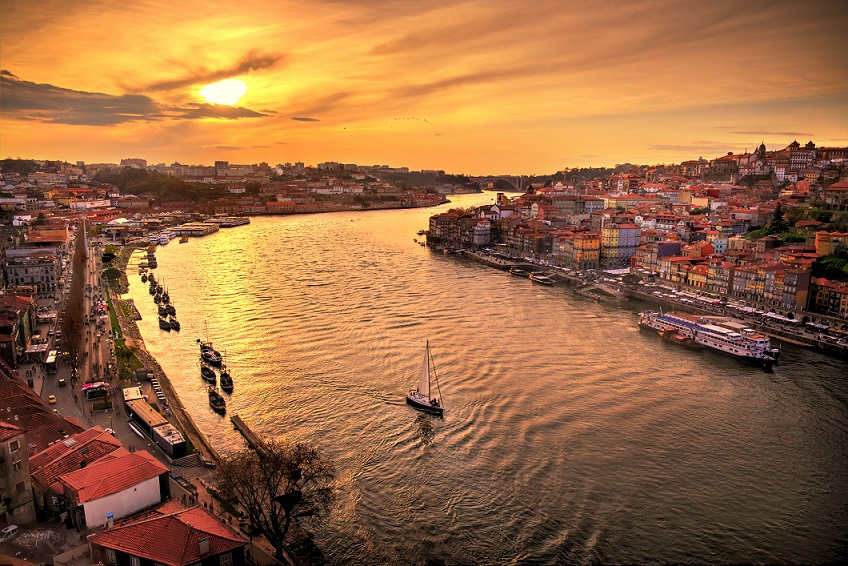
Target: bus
x,y
50,363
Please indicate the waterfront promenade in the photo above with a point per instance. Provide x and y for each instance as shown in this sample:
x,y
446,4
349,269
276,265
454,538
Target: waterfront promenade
x,y
588,285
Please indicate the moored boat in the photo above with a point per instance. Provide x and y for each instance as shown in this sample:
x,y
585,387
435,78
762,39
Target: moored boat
x,y
515,270
183,239
207,373
226,380
209,354
164,324
216,400
746,345
540,277
175,324
420,398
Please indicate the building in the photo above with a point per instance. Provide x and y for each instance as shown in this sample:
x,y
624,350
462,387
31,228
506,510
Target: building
x,y
16,500
18,321
618,244
39,269
829,297
68,455
169,535
579,250
113,487
828,242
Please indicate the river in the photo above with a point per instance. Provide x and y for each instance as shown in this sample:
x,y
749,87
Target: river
x,y
568,435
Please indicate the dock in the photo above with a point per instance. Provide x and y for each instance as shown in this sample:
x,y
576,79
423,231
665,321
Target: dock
x,y
251,437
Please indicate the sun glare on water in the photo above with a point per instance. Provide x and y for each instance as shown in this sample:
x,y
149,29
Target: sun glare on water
x,y
226,92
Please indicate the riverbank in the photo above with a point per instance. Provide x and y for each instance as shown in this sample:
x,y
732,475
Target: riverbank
x,y
299,546
591,288
133,339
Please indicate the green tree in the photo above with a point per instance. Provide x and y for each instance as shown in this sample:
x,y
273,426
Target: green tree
x,y
278,483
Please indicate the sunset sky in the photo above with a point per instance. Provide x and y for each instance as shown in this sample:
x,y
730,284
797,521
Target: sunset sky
x,y
475,87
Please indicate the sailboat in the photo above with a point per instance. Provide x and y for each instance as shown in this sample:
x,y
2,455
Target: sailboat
x,y
420,398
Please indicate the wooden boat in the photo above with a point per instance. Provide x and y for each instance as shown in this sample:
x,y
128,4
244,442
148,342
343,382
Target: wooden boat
x,y
226,380
421,397
208,374
540,277
216,400
183,239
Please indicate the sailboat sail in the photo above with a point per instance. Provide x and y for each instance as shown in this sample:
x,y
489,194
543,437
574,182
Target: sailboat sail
x,y
424,379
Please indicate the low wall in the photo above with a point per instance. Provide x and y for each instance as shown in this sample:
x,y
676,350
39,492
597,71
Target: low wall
x,y
71,555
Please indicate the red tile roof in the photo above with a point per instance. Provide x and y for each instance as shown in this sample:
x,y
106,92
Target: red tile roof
x,y
111,474
64,457
170,535
8,431
20,406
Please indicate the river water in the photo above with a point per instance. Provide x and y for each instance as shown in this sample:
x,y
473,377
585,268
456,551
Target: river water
x,y
568,435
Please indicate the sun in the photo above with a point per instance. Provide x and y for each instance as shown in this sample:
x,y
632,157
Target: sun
x,y
226,92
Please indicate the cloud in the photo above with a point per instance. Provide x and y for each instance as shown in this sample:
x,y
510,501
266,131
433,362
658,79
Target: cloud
x,y
765,132
25,100
253,61
694,146
303,119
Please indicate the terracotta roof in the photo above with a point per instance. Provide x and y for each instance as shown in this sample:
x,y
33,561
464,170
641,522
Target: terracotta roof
x,y
20,406
8,431
66,456
170,535
112,474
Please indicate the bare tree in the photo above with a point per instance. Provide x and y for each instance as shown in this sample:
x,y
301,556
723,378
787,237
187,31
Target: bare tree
x,y
277,483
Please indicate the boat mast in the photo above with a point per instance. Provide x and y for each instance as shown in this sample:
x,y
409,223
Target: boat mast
x,y
439,389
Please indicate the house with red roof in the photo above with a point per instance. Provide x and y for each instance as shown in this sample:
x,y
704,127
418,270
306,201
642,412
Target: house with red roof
x,y
170,535
117,485
68,455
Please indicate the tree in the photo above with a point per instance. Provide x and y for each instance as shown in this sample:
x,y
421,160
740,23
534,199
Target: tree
x,y
276,483
74,308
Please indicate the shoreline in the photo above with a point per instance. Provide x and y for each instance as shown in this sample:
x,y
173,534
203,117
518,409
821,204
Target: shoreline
x,y
299,547
134,340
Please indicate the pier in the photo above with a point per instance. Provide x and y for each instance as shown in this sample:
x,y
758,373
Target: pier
x,y
251,437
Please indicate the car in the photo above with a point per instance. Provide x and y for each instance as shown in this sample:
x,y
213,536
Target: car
x,y
8,533
51,399
110,431
62,382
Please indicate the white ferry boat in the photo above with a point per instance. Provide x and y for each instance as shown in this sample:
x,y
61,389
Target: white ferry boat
x,y
747,345
232,221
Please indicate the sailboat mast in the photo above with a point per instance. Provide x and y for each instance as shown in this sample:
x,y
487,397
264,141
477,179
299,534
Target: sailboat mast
x,y
438,388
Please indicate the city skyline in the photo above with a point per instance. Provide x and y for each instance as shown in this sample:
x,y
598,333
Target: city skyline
x,y
453,85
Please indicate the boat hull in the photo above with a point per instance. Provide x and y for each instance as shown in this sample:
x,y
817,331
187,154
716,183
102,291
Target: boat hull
x,y
423,404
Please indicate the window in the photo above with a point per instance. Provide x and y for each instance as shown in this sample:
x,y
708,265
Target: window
x,y
135,561
110,556
226,559
20,488
17,465
14,446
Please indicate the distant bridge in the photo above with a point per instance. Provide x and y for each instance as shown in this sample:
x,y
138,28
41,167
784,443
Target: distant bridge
x,y
505,183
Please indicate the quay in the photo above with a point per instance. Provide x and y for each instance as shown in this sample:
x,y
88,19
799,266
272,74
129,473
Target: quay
x,y
251,437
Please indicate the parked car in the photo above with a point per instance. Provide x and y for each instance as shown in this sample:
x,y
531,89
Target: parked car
x,y
62,382
8,533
